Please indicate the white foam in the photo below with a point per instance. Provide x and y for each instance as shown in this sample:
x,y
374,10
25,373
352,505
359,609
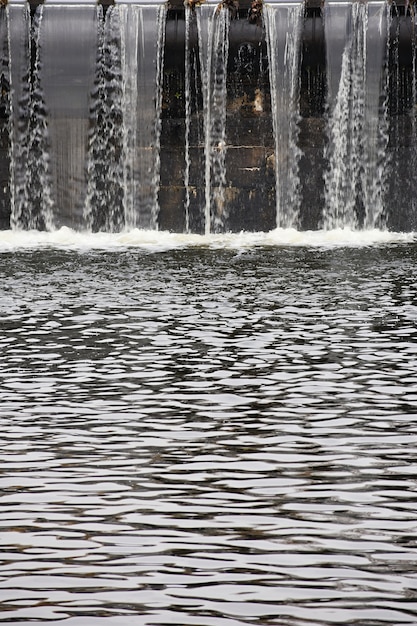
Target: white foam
x,y
158,241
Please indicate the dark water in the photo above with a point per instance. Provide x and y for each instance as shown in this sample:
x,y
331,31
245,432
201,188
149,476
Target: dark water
x,y
209,437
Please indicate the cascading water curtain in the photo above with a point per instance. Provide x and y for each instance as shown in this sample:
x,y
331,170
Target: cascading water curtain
x,y
124,142
5,104
32,206
403,127
196,45
358,119
413,114
377,116
413,130
161,21
106,159
283,24
214,54
143,46
189,14
4,62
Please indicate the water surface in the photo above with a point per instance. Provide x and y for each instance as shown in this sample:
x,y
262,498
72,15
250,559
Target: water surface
x,y
220,434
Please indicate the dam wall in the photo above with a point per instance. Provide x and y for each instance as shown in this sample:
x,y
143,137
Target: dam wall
x,y
207,118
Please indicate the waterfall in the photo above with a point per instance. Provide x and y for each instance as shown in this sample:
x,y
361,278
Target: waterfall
x,y
213,27
68,58
357,117
123,169
402,184
188,16
87,104
106,159
86,121
283,24
194,107
411,218
4,62
5,109
143,39
30,164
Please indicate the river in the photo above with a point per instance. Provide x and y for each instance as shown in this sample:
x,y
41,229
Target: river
x,y
210,432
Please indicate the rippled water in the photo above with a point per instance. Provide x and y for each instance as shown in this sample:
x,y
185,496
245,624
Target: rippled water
x,y
208,436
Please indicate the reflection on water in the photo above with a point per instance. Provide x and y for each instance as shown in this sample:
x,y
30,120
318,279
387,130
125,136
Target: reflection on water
x,y
212,437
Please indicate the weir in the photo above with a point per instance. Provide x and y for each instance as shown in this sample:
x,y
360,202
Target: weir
x,y
207,117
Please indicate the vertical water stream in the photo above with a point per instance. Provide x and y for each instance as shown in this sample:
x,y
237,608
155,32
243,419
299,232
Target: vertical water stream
x,y
86,125
196,41
68,58
105,203
411,218
357,115
142,42
123,155
188,17
213,29
5,110
83,88
283,24
32,206
402,184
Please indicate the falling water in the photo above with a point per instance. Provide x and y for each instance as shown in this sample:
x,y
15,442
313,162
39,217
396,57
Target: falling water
x,y
4,110
160,52
196,42
30,175
357,123
143,40
85,144
110,181
123,165
214,53
4,61
188,16
413,124
106,159
283,32
69,34
403,127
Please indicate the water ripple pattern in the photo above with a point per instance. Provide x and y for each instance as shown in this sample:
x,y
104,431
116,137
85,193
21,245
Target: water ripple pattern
x,y
212,437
